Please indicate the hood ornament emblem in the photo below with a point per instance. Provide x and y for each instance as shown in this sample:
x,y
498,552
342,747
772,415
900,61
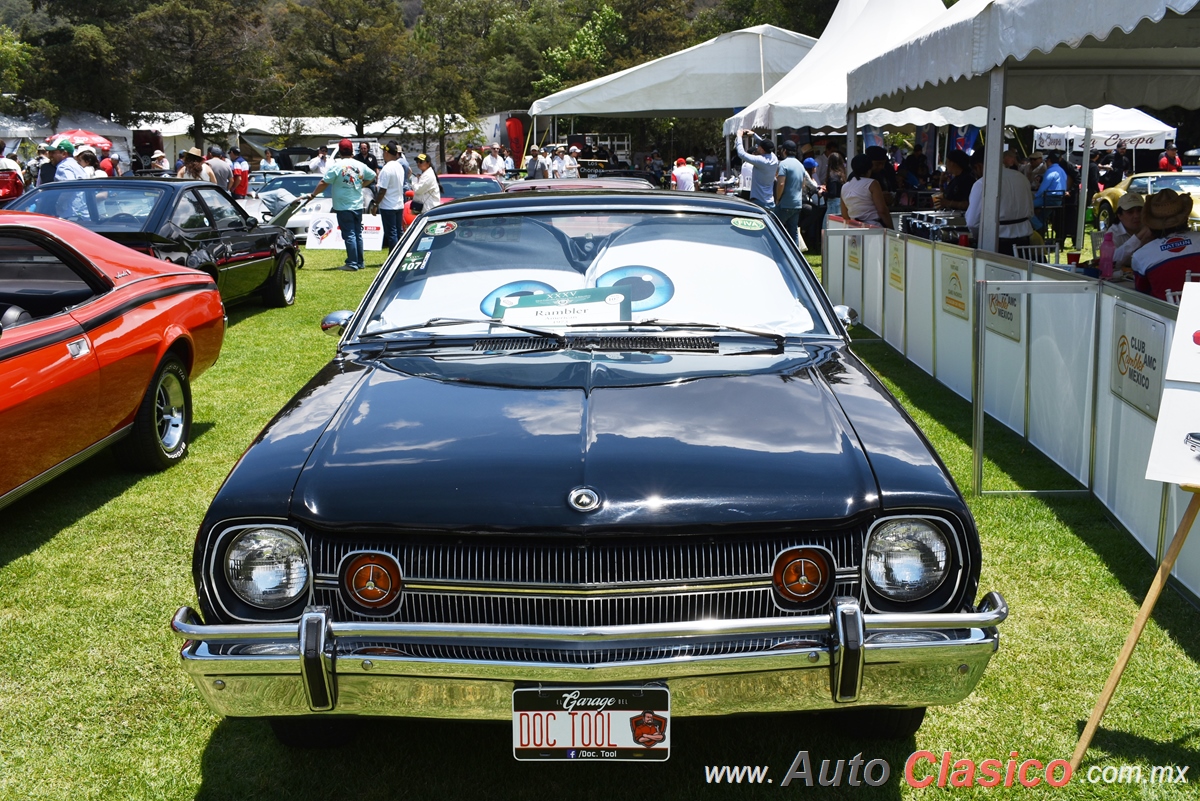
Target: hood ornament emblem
x,y
583,499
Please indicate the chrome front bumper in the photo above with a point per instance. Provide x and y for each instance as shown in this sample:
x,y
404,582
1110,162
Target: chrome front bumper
x,y
313,666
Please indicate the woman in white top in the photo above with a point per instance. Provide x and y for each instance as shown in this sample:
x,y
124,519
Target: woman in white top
x,y
426,191
862,197
268,162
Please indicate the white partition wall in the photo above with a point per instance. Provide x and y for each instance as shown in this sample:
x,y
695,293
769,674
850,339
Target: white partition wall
x,y
919,332
953,289
873,277
833,249
1007,341
894,290
1061,353
1073,372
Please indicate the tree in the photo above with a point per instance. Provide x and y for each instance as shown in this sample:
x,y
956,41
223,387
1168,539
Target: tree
x,y
802,16
586,56
349,53
208,57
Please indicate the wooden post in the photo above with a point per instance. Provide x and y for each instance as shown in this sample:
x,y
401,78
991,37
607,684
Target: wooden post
x,y
1156,587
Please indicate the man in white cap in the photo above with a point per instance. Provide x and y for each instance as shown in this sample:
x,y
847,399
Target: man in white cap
x,y
1129,234
571,163
535,165
493,163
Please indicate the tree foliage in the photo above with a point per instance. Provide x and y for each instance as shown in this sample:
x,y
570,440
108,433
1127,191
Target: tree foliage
x,y
586,56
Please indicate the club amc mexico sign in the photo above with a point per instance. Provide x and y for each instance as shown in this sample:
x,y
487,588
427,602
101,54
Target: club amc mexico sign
x,y
1137,371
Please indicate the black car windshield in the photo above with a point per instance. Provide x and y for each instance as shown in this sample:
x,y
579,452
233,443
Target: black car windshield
x,y
604,268
103,208
455,188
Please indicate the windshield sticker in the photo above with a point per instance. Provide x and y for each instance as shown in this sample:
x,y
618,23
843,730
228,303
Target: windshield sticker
x,y
425,244
599,305
747,224
648,288
513,289
414,262
441,228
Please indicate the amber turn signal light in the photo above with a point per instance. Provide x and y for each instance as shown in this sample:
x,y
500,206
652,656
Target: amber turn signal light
x,y
372,580
803,577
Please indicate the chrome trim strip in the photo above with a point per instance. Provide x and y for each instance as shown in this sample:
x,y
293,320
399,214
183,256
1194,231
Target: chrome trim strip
x,y
464,588
992,611
37,481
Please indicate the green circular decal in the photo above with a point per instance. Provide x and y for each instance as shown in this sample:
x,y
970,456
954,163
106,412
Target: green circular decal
x,y
747,224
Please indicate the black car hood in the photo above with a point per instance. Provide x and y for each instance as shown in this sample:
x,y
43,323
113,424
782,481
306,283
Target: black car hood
x,y
665,442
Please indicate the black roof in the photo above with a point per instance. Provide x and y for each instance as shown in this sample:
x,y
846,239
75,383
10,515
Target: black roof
x,y
600,198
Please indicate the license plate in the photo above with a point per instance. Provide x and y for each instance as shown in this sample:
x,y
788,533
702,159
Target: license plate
x,y
603,723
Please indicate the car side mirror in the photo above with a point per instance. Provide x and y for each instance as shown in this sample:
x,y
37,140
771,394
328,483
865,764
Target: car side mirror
x,y
846,315
251,224
408,194
335,323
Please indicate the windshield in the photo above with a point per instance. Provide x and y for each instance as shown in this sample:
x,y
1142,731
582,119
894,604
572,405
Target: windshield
x,y
103,208
455,188
573,269
1187,184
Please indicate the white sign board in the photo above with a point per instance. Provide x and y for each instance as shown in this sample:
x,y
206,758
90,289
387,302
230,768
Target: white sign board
x,y
1175,453
1137,371
324,233
1004,311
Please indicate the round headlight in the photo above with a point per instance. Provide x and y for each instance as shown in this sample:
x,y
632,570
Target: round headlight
x,y
907,558
267,567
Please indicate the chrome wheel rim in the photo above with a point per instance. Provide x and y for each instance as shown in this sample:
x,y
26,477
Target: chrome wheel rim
x,y
289,279
169,408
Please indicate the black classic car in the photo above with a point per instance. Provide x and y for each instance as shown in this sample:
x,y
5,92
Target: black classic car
x,y
193,223
584,462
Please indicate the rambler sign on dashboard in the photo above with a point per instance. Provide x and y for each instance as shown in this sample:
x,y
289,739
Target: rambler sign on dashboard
x,y
1138,346
611,304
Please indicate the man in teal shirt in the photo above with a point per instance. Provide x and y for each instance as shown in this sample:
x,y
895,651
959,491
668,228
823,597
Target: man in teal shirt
x,y
346,178
789,191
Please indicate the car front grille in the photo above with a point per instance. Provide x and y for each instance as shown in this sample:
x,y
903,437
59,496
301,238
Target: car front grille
x,y
594,581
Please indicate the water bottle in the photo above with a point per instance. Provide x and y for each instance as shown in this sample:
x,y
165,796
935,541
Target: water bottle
x,y
1106,255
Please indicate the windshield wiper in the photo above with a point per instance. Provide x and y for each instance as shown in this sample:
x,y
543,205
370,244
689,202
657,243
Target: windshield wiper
x,y
777,338
437,322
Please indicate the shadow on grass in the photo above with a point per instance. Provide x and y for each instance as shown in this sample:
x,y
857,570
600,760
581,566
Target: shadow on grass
x,y
416,758
1126,747
59,504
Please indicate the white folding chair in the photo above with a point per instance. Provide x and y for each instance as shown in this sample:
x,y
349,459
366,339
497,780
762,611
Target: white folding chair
x,y
1172,296
1038,252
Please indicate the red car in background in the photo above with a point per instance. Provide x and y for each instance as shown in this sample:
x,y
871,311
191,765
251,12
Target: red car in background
x,y
453,187
98,346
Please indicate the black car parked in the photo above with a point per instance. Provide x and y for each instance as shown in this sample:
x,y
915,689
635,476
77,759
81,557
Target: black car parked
x,y
192,223
587,461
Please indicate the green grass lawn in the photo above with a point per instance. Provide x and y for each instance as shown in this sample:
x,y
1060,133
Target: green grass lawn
x,y
93,704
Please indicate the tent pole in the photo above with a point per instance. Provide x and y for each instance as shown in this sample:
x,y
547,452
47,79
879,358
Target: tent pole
x,y
851,134
728,156
1083,178
989,224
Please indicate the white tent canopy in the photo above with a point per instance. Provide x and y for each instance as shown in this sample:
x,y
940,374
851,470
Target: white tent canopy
x,y
1031,52
1114,51
708,80
1111,126
814,93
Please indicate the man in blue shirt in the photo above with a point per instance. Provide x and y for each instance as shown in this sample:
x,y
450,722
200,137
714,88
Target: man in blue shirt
x,y
66,168
789,191
347,177
1054,182
765,165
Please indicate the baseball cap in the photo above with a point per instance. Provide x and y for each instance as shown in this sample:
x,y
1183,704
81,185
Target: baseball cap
x,y
1131,200
236,150
690,160
573,149
65,146
391,148
345,144
423,158
680,162
810,164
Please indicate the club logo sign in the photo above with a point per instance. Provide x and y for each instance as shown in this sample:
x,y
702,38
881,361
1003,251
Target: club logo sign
x,y
1004,311
895,264
1139,342
956,277
854,252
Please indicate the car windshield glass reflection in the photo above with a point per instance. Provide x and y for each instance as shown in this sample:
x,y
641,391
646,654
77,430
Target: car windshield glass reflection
x,y
579,269
105,209
455,188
